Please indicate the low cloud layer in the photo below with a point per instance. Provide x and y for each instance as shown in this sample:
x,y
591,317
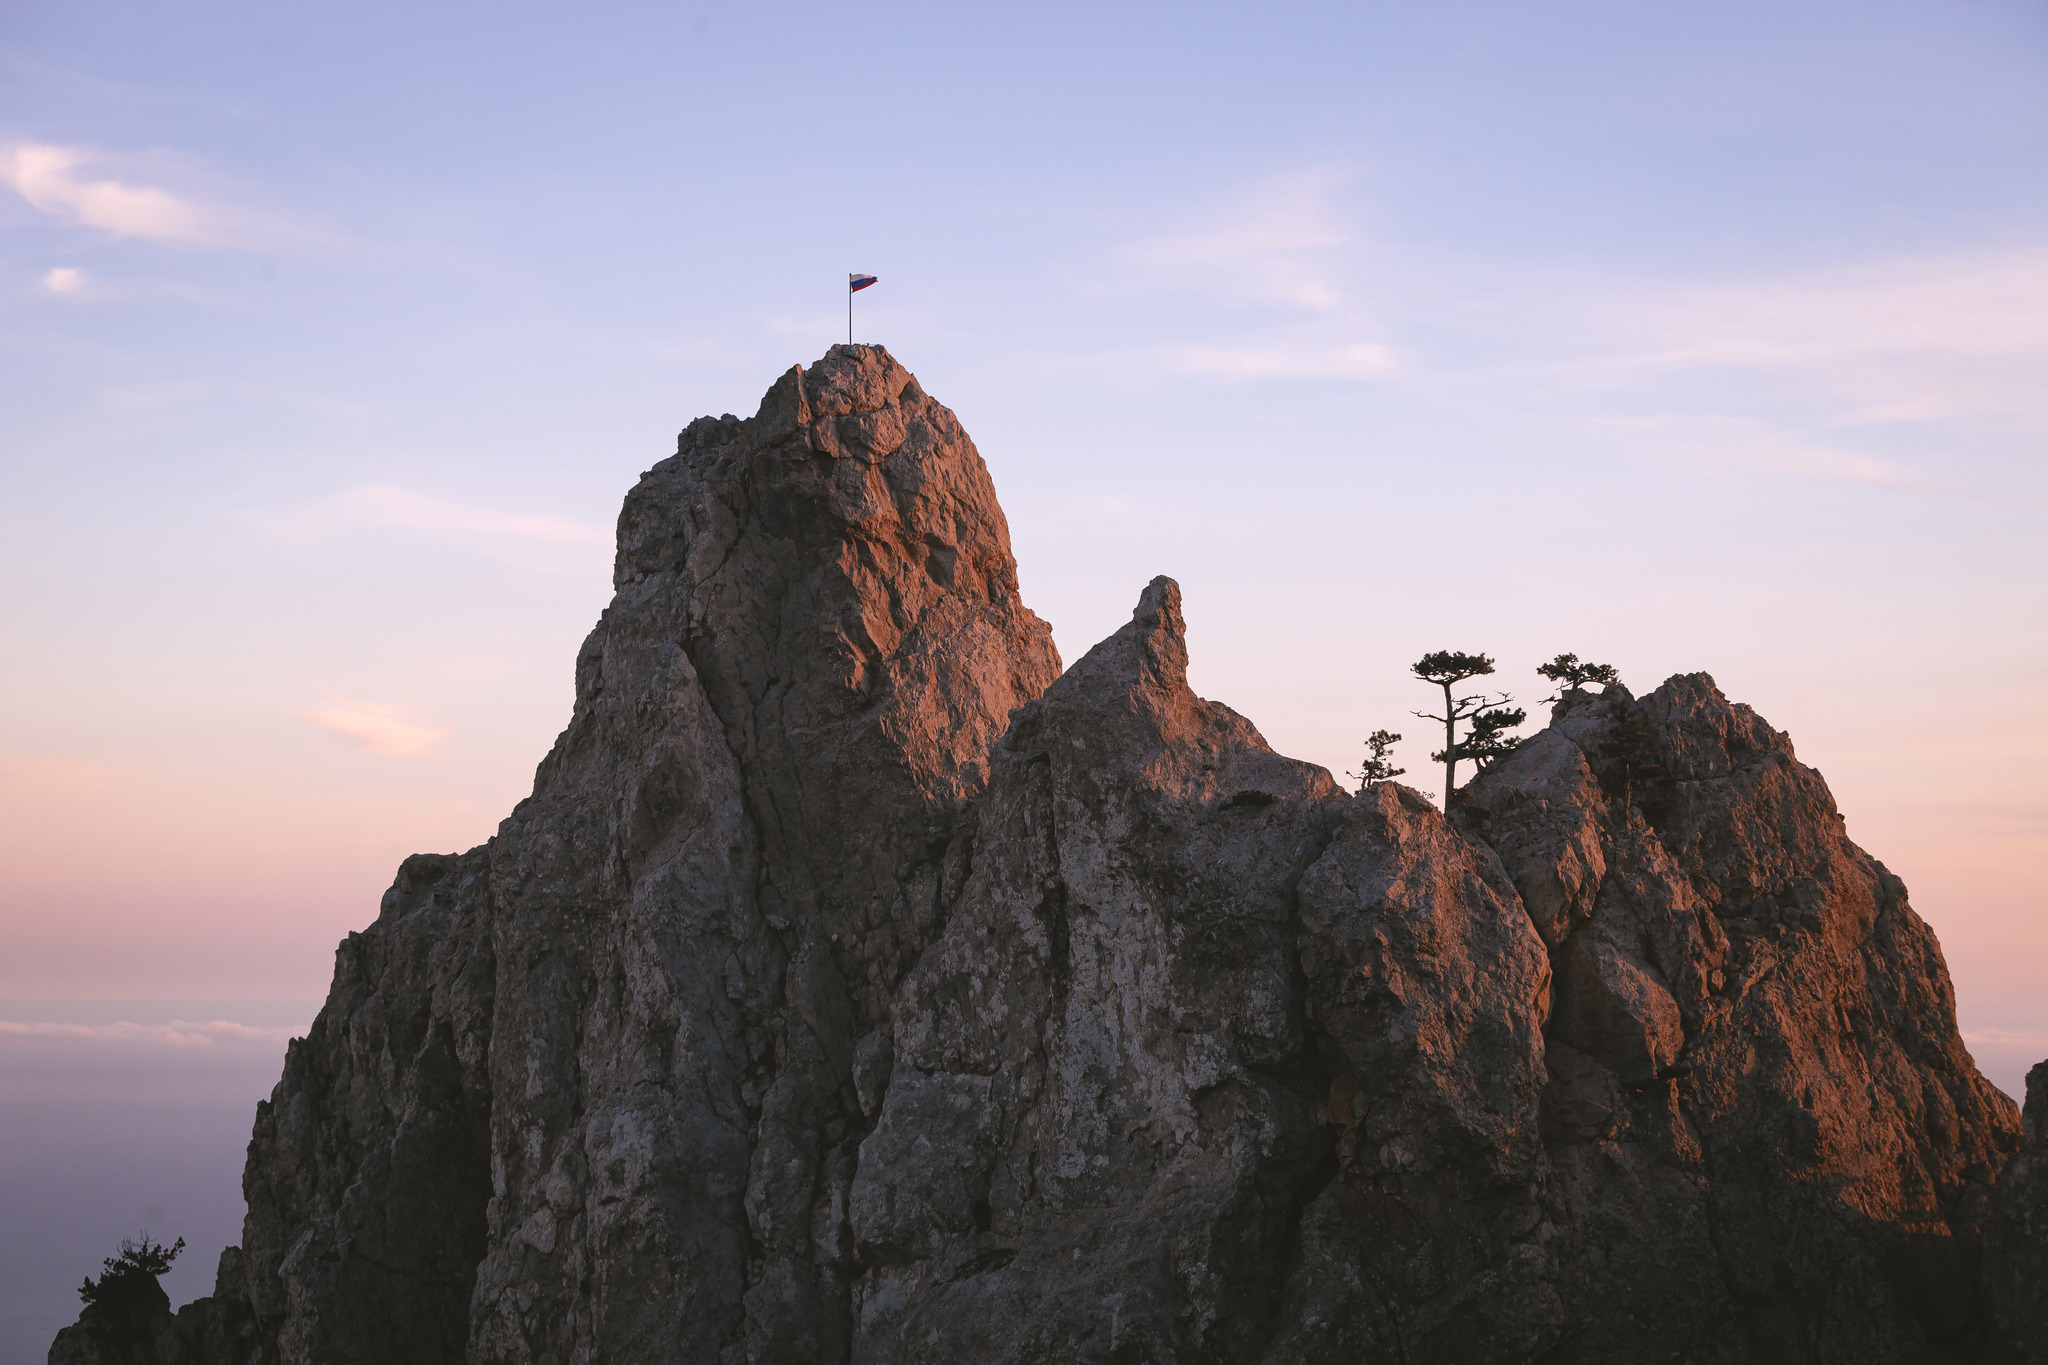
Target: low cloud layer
x,y
179,1033
2034,1041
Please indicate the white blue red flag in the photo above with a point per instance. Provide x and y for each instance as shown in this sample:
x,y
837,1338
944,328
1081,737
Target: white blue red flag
x,y
856,283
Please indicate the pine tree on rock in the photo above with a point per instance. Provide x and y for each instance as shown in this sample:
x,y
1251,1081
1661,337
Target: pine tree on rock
x,y
125,1308
1489,718
1488,738
139,1260
1572,676
1377,767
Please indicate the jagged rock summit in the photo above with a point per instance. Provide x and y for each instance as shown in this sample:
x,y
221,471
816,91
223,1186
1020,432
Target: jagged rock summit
x,y
857,986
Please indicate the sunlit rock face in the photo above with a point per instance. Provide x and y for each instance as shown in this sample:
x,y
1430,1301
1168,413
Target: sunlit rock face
x,y
856,986
1765,1139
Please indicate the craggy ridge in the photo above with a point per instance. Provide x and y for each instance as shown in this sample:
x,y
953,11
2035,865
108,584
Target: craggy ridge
x,y
856,985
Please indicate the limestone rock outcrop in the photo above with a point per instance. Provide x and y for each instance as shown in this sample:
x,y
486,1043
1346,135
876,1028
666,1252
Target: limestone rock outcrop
x,y
856,985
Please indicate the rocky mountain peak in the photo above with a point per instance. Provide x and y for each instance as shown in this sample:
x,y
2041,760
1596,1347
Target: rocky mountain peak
x,y
856,984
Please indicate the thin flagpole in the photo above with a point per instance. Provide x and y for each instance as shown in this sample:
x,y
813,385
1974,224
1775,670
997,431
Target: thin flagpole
x,y
849,312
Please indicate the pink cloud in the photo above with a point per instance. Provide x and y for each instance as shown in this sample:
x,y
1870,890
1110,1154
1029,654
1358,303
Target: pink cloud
x,y
48,178
377,729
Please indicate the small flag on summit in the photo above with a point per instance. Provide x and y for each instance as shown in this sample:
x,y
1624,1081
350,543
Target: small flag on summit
x,y
856,283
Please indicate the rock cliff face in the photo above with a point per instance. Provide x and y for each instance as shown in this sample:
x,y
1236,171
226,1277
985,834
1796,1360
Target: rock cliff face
x,y
855,985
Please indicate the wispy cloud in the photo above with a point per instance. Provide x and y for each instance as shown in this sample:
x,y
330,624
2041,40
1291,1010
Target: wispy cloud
x,y
378,729
1275,244
1974,305
1903,340
1812,374
531,539
383,505
1283,246
178,1034
71,283
76,185
50,178
1912,374
1717,443
1357,360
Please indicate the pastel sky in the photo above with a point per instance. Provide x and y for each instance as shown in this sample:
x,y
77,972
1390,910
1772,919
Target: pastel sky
x,y
1682,337
1686,337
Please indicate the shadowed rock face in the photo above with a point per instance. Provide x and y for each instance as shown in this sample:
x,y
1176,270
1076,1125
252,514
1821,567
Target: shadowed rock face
x,y
2017,1256
1103,1120
857,986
